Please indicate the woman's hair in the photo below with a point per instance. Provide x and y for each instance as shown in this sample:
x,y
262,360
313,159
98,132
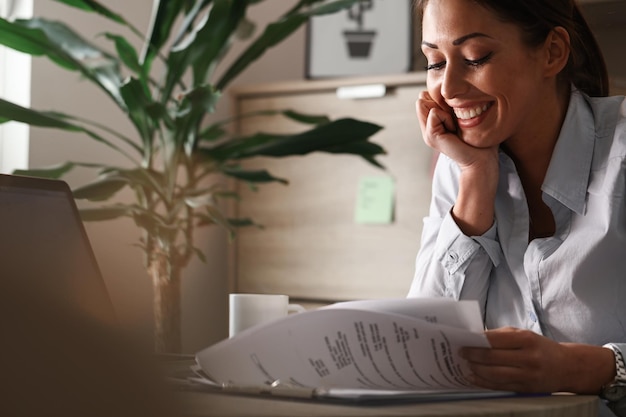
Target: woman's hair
x,y
586,68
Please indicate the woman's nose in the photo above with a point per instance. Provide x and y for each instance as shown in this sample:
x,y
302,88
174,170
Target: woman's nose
x,y
453,84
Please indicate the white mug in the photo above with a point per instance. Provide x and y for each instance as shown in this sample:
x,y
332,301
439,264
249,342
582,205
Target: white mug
x,y
247,310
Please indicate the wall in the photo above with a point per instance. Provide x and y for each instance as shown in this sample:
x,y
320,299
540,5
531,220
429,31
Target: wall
x,y
204,290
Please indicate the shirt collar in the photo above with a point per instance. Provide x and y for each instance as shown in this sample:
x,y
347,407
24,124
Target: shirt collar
x,y
568,174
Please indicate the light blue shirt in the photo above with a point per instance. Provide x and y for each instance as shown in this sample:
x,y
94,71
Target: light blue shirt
x,y
570,287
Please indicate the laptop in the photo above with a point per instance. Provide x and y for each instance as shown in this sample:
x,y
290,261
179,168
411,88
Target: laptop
x,y
44,249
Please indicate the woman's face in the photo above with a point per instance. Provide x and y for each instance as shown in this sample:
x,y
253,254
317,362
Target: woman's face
x,y
480,70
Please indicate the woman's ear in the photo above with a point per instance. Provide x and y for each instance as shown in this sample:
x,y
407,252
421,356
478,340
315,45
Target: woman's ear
x,y
557,48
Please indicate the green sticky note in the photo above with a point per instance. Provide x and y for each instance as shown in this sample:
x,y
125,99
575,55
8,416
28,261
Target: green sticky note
x,y
375,200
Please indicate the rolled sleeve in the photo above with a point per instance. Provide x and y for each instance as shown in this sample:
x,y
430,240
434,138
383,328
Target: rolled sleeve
x,y
453,249
456,266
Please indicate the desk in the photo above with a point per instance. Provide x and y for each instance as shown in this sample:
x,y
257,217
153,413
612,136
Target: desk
x,y
195,404
215,404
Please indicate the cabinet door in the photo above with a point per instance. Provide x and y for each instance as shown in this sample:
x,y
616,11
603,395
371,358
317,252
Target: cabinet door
x,y
311,247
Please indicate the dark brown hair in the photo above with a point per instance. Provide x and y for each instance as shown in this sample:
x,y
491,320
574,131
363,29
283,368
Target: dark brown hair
x,y
586,68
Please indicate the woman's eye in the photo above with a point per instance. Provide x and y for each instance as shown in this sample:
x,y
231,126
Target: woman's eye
x,y
436,66
470,62
480,61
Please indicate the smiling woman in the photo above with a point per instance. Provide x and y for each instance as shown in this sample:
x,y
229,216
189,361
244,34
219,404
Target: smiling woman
x,y
528,214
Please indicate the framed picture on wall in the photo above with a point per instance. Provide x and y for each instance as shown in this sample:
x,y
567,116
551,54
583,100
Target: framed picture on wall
x,y
371,37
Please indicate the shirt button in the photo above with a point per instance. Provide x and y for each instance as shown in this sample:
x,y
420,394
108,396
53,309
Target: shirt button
x,y
532,316
452,256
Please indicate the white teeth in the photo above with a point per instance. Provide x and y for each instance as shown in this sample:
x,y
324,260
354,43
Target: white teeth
x,y
466,113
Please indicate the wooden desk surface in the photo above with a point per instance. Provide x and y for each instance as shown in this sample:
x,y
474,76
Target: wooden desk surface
x,y
194,404
214,404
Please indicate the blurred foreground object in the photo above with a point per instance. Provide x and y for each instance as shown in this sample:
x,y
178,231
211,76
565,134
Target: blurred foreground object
x,y
58,362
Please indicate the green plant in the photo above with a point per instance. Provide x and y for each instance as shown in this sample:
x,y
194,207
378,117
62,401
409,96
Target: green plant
x,y
178,157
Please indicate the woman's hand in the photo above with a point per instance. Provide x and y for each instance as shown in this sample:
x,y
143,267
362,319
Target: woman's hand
x,y
440,133
474,208
523,361
436,123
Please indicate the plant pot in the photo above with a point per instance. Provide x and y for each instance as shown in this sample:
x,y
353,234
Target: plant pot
x,y
359,42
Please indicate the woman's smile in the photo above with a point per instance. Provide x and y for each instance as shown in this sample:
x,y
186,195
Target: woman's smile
x,y
471,112
470,116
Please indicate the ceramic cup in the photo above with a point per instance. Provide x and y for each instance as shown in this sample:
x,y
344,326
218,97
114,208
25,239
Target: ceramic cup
x,y
247,310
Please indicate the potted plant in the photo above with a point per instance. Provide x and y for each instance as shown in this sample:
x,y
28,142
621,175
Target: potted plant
x,y
178,157
359,41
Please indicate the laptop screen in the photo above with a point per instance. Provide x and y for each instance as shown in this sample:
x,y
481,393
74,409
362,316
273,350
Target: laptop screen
x,y
44,247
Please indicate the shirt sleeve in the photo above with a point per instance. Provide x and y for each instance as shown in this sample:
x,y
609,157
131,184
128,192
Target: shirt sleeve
x,y
450,263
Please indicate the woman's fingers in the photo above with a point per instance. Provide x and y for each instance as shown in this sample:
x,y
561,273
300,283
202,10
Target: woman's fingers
x,y
439,134
518,360
438,125
440,122
423,106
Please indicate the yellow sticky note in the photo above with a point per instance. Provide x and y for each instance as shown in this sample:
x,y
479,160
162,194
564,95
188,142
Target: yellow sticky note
x,y
375,200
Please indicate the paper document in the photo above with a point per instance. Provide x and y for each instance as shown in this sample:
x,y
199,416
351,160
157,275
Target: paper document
x,y
390,345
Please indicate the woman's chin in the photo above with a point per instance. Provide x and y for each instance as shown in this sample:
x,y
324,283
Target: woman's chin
x,y
477,140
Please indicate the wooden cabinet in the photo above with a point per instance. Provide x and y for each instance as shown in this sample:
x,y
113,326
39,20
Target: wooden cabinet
x,y
311,248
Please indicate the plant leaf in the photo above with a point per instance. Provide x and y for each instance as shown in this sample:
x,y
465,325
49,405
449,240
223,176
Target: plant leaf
x,y
195,104
57,171
217,217
214,38
321,138
103,213
325,138
306,118
11,111
244,222
67,48
212,133
227,194
138,104
205,43
252,176
290,114
199,254
301,5
367,150
164,14
358,148
148,179
33,42
99,190
53,172
127,53
94,6
202,200
203,219
245,29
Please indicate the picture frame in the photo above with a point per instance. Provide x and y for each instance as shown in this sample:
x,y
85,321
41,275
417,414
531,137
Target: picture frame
x,y
370,38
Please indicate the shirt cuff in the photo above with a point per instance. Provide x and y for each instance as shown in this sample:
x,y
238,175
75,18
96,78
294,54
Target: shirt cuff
x,y
454,248
489,242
